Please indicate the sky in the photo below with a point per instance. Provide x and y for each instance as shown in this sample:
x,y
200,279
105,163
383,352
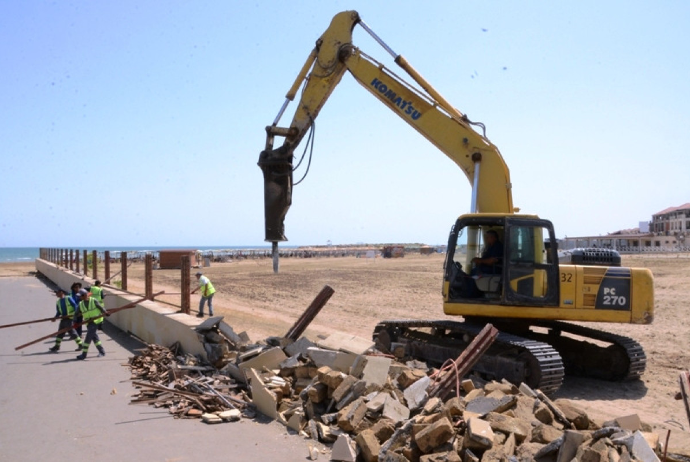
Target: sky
x,y
140,123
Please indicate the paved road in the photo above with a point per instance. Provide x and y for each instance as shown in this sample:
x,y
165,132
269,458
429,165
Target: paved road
x,y
55,407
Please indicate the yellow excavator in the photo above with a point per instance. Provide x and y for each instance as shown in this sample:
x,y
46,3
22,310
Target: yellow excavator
x,y
501,266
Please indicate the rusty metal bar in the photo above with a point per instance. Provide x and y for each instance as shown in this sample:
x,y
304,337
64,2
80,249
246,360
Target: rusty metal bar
x,y
148,276
71,260
106,265
463,364
123,262
86,263
76,260
310,313
94,262
185,282
684,380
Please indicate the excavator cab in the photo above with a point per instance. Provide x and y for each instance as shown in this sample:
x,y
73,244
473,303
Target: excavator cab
x,y
505,260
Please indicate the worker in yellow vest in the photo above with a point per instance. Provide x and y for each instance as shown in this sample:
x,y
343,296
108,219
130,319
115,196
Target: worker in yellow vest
x,y
207,290
93,312
97,291
64,311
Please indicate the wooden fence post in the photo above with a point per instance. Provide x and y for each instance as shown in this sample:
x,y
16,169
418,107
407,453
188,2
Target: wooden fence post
x,y
185,279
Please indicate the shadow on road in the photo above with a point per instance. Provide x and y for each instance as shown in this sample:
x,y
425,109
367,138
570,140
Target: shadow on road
x,y
594,390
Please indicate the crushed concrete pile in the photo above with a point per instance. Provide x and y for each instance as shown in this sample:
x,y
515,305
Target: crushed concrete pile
x,y
369,407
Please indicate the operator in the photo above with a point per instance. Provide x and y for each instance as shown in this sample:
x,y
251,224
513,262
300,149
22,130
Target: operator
x,y
93,313
492,256
207,291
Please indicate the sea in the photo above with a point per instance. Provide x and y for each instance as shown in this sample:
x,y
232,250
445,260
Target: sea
x,y
20,254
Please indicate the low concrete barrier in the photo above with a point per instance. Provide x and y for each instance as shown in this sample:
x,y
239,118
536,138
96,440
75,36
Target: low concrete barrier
x,y
150,321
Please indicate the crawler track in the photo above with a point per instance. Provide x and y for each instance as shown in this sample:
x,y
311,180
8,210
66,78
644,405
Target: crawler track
x,y
512,357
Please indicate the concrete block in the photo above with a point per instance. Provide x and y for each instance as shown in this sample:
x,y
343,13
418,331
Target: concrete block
x,y
432,405
299,347
478,434
573,413
416,393
358,366
477,392
527,451
454,406
343,450
376,370
231,415
395,410
369,445
543,414
467,385
545,434
410,376
344,361
333,379
318,393
509,445
383,429
208,324
344,388
265,400
290,363
524,408
211,418
269,359
391,456
352,415
505,424
348,343
434,435
571,442
629,422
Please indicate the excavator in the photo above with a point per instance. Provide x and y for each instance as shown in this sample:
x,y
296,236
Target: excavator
x,y
501,266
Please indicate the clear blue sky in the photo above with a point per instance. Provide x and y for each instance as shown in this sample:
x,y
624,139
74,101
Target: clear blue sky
x,y
140,123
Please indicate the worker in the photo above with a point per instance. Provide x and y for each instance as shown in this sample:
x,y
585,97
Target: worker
x,y
492,256
64,310
207,290
93,312
74,293
97,291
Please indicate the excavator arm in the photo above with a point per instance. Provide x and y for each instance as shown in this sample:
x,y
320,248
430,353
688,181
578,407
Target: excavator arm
x,y
423,108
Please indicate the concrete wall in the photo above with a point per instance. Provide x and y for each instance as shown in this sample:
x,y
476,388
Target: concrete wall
x,y
150,321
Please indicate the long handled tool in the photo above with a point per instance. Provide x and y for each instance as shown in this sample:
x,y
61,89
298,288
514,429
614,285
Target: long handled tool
x,y
34,321
67,329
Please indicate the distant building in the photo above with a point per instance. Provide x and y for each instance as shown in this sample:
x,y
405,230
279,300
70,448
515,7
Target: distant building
x,y
673,221
669,231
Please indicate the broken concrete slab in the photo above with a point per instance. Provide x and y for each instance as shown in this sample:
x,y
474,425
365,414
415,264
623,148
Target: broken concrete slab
x,y
376,370
269,359
545,434
208,324
376,403
343,450
416,393
576,415
395,410
229,332
299,347
505,424
264,399
340,341
482,405
571,442
344,388
336,360
296,421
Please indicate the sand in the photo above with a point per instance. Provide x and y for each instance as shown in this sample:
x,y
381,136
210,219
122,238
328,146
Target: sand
x,y
254,299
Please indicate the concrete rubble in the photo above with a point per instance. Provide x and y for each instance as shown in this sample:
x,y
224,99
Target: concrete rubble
x,y
368,407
